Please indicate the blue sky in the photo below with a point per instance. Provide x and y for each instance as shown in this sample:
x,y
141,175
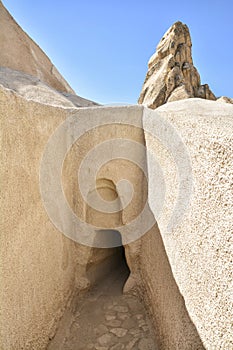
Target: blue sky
x,y
102,47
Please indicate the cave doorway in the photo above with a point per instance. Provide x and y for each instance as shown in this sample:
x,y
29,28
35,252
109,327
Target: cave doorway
x,y
108,263
107,256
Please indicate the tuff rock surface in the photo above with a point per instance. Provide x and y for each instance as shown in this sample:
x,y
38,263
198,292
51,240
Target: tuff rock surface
x,y
171,74
184,278
32,88
27,70
225,99
20,52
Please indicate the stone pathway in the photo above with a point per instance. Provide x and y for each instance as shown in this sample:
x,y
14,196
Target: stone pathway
x,y
106,320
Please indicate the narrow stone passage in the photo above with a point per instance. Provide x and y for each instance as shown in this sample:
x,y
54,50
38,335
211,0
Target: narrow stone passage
x,y
106,319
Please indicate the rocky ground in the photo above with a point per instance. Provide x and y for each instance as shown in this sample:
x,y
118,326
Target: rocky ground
x,y
106,320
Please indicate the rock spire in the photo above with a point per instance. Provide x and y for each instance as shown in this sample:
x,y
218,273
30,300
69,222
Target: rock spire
x,y
171,74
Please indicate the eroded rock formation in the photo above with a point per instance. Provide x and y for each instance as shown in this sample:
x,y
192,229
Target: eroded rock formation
x,y
183,277
27,70
20,52
225,99
33,89
171,74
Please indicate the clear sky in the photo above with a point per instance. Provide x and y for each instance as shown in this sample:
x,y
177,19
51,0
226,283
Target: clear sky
x,y
102,47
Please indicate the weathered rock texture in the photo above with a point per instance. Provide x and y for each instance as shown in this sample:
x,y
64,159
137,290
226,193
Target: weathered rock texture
x,y
171,74
26,69
200,248
20,52
225,99
33,89
40,268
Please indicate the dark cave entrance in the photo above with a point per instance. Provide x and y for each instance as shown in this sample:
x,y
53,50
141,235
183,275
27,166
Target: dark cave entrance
x,y
114,265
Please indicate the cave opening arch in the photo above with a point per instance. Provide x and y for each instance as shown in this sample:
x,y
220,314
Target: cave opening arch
x,y
108,252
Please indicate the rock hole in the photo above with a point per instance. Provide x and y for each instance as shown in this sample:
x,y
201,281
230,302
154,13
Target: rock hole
x,y
114,265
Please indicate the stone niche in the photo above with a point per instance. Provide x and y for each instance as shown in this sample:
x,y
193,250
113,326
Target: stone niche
x,y
126,124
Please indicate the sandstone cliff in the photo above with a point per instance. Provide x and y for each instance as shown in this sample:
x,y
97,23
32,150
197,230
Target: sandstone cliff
x,y
171,74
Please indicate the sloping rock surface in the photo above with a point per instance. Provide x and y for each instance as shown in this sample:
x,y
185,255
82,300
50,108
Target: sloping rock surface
x,y
19,52
26,69
225,99
32,88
